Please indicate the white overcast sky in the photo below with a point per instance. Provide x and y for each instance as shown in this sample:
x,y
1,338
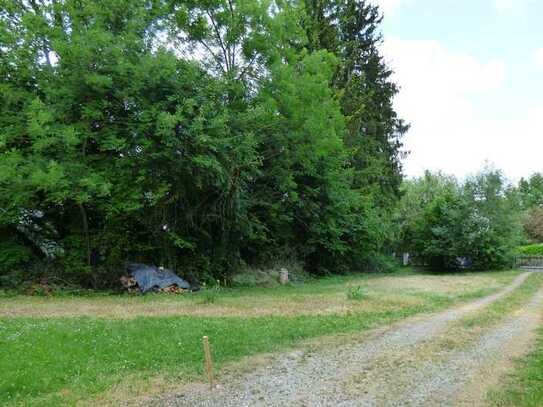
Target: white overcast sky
x,y
471,78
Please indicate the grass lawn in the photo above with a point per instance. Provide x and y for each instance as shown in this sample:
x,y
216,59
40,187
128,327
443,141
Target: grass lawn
x,y
64,350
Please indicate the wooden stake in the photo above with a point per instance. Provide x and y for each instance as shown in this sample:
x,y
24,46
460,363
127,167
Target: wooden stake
x,y
209,361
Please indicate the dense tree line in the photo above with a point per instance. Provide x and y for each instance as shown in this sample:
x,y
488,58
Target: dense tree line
x,y
198,135
475,223
529,196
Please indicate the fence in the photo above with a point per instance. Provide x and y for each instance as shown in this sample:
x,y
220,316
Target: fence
x,y
529,262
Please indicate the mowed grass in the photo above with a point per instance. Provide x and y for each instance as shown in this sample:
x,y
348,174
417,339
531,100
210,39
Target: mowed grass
x,y
321,296
50,354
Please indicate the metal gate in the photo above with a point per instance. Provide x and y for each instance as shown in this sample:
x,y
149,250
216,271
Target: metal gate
x,y
529,262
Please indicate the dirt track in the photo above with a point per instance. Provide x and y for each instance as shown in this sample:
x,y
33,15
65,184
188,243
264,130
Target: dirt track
x,y
408,364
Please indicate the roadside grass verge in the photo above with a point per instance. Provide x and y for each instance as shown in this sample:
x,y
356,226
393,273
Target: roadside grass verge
x,y
51,360
505,306
463,332
524,387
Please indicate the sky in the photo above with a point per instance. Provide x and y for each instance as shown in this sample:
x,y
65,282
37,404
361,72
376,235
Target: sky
x,y
471,83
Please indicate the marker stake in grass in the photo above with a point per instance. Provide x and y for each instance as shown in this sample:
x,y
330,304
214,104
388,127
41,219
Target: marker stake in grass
x,y
208,360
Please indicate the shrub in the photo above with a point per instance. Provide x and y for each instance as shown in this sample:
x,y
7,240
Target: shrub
x,y
531,250
13,258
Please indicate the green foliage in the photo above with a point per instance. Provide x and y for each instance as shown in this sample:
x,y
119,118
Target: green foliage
x,y
196,135
444,221
350,30
531,250
355,293
383,263
209,295
533,224
13,255
530,191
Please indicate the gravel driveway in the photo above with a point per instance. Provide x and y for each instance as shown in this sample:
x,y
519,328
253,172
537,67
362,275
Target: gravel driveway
x,y
400,366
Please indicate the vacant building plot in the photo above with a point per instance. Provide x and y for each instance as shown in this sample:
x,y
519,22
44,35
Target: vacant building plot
x,y
357,339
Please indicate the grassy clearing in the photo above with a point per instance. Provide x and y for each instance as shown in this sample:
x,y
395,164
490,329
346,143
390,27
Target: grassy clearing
x,y
524,388
319,297
55,356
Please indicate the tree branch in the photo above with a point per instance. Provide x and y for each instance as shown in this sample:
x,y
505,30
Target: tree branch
x,y
219,38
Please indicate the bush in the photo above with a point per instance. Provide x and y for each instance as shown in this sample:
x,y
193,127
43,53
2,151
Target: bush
x,y
13,259
531,250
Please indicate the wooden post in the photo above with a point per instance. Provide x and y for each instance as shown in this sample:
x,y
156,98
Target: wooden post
x,y
208,361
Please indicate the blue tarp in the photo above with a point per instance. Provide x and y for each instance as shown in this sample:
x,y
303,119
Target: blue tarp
x,y
150,277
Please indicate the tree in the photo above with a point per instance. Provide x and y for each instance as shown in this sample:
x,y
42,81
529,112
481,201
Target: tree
x,y
128,151
533,224
349,29
497,228
417,195
428,215
443,221
194,135
530,191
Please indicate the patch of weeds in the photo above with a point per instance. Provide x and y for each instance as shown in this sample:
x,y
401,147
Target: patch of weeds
x,y
355,293
210,295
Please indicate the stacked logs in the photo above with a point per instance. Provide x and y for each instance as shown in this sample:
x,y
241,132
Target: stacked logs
x,y
173,289
131,285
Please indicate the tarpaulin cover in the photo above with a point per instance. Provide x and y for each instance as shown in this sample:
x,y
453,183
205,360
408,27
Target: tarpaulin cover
x,y
149,277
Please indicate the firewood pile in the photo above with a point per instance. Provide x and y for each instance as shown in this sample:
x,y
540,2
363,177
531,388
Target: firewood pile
x,y
144,278
173,289
131,285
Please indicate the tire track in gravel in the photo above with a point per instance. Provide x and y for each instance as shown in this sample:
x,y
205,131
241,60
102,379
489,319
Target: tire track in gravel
x,y
388,368
460,377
